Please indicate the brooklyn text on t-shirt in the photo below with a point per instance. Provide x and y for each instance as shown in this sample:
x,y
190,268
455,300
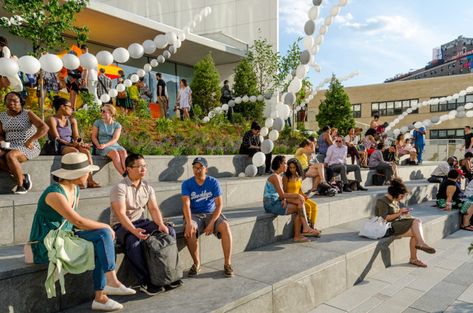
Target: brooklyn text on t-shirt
x,y
203,196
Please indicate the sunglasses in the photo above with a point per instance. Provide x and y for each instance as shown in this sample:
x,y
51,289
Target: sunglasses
x,y
338,141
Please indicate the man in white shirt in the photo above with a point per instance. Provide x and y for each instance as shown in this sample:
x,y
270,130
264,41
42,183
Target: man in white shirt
x,y
439,174
336,159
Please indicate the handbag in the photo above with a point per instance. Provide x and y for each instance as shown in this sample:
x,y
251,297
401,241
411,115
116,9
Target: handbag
x,y
51,147
375,228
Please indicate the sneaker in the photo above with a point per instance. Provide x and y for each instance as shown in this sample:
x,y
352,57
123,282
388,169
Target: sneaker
x,y
151,289
346,189
228,270
173,285
108,306
27,182
19,190
193,270
118,291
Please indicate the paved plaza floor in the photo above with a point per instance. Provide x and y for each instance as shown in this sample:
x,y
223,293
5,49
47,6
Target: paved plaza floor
x,y
446,285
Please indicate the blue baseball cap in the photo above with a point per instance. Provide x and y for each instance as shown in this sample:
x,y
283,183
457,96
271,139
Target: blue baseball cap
x,y
200,160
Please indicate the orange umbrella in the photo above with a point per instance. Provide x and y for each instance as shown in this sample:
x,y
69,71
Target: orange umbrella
x,y
110,70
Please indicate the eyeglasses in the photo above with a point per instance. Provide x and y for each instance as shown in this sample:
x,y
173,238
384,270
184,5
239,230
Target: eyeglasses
x,y
338,141
144,166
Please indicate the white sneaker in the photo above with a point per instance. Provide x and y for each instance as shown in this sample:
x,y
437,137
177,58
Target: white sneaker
x,y
108,306
118,291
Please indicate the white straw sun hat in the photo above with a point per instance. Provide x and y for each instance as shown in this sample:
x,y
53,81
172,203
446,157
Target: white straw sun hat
x,y
74,165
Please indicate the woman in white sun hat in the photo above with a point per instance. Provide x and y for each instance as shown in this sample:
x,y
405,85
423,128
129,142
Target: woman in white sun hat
x,y
58,203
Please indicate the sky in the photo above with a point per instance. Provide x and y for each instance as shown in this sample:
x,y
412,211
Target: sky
x,y
377,38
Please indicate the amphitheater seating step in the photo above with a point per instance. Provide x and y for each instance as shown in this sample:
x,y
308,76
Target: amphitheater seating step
x,y
291,277
252,229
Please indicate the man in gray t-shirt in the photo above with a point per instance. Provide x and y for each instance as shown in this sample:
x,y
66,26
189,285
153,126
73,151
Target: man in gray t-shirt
x,y
129,199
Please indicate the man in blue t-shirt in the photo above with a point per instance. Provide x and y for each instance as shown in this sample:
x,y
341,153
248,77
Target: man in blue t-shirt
x,y
419,142
202,209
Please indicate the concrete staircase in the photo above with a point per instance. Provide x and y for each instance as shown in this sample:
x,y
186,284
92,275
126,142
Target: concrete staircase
x,y
272,273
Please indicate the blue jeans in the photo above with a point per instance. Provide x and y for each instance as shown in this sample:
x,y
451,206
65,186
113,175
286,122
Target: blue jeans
x,y
420,151
104,254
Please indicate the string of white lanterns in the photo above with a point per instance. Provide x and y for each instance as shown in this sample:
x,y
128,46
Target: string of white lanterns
x,y
441,100
52,63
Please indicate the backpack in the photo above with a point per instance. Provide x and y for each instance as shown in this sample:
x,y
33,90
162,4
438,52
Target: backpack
x,y
326,191
378,179
161,256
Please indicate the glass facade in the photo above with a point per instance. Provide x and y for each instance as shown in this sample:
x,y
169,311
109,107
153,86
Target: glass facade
x,y
452,104
446,133
356,109
389,108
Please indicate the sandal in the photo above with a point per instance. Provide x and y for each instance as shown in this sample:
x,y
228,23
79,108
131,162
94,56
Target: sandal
x,y
417,263
426,249
315,234
467,228
301,239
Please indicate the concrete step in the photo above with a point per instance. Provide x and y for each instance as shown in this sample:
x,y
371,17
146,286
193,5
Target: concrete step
x,y
16,212
162,168
252,228
446,285
290,277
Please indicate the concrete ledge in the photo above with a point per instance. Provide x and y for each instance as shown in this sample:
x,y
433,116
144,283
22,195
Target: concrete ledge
x,y
288,277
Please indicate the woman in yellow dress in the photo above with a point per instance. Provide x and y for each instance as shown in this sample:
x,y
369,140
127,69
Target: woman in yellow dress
x,y
292,183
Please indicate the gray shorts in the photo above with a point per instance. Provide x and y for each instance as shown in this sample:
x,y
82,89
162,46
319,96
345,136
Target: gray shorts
x,y
201,221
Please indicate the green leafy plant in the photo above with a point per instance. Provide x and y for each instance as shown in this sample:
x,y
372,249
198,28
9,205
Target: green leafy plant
x,y
336,109
44,23
245,83
265,64
205,86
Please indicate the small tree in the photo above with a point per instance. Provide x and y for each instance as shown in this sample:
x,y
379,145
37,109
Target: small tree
x,y
205,85
289,62
44,23
265,64
336,109
246,84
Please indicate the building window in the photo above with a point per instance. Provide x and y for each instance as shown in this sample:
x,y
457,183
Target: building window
x,y
392,107
450,105
356,110
446,133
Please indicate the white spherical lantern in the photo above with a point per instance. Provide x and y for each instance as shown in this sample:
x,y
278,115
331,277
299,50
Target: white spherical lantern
x,y
301,71
469,106
278,124
134,78
295,85
121,55
251,171
444,118
29,64
113,93
225,107
273,135
120,88
88,61
267,146
141,72
154,62
396,132
469,89
149,46
50,63
104,57
172,49
264,131
313,13
258,159
161,59
206,119
245,98
166,54
231,103
147,67
260,98
238,100
136,50
105,98
253,99
269,122
404,129
462,93
160,41
127,83
469,113
171,38
308,42
71,62
334,11
328,20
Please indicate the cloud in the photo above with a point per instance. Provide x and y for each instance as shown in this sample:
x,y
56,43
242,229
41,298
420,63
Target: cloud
x,y
293,15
